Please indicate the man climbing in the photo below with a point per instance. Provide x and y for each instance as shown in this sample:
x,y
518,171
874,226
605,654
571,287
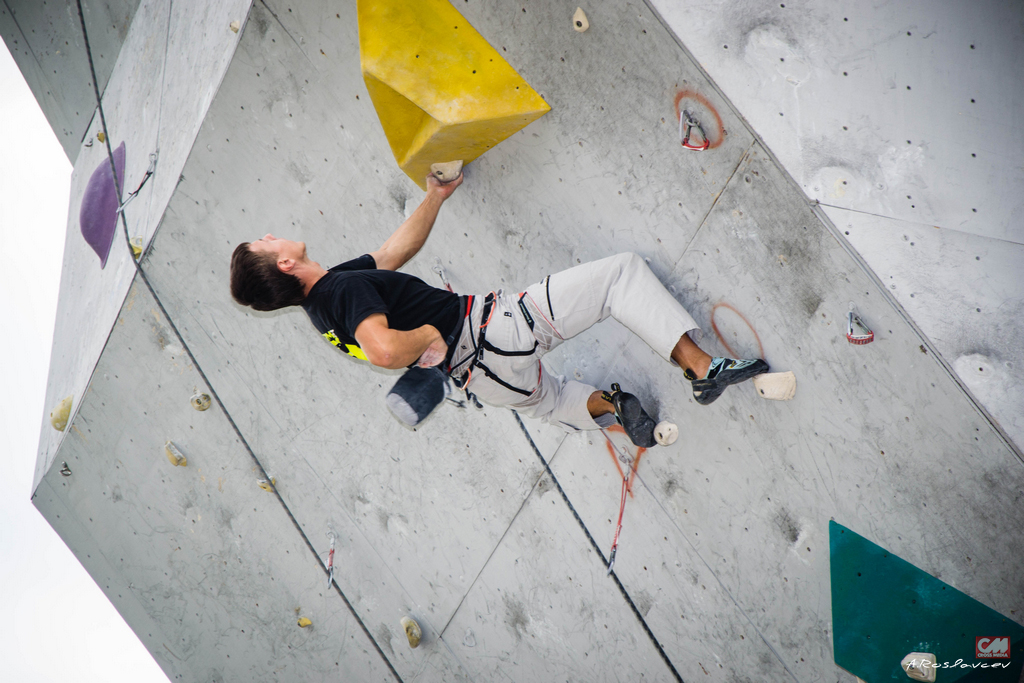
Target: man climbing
x,y
490,346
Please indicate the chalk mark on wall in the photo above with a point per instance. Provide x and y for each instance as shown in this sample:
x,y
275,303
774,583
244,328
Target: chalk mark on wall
x,y
714,326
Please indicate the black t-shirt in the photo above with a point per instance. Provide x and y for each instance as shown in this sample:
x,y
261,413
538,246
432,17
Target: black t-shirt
x,y
352,291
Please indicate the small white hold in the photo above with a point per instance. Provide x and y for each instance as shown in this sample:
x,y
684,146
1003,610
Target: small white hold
x,y
469,640
920,666
666,433
446,172
579,21
412,631
234,26
59,415
776,386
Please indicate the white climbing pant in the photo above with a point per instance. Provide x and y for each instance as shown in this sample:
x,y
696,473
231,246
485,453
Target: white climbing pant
x,y
511,372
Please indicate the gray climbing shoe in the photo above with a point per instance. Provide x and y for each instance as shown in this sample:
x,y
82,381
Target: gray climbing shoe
x,y
722,373
631,415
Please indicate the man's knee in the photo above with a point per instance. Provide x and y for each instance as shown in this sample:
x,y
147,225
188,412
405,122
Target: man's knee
x,y
627,260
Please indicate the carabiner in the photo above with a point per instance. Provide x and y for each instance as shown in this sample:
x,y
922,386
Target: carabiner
x,y
687,124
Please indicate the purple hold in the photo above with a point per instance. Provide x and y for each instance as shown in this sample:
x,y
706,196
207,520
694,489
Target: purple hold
x,y
98,216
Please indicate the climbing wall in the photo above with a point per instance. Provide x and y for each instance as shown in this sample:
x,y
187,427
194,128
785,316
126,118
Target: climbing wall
x,y
901,119
492,531
168,71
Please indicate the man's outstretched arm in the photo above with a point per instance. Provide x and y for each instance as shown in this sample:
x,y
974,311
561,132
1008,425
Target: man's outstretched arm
x,y
395,349
411,235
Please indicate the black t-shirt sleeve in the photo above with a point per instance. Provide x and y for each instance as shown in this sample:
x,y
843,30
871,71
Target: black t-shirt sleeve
x,y
355,302
364,262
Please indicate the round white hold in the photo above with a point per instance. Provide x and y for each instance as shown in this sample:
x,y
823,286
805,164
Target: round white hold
x,y
666,433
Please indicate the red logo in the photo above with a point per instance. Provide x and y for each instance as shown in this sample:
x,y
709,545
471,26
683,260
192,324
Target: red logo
x,y
989,648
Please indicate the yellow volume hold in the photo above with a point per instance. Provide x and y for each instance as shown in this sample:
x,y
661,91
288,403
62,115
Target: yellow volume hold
x,y
440,90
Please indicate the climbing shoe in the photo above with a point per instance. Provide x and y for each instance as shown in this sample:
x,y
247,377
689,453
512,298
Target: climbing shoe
x,y
722,373
631,415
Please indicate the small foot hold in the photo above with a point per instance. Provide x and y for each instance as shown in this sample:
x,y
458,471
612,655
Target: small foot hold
x,y
777,386
60,414
174,455
666,433
631,415
304,622
446,172
200,401
579,21
412,631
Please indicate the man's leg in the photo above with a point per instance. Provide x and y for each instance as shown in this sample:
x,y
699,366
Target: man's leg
x,y
688,355
623,287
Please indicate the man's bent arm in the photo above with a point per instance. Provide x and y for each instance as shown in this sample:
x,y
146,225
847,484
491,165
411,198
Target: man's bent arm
x,y
410,236
395,349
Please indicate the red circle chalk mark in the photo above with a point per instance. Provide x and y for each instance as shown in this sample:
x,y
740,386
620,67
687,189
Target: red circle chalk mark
x,y
718,334
716,135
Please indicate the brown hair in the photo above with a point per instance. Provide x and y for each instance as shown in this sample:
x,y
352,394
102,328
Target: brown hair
x,y
256,281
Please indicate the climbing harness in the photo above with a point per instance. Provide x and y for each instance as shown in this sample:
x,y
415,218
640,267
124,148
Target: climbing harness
x,y
150,171
856,331
687,125
480,344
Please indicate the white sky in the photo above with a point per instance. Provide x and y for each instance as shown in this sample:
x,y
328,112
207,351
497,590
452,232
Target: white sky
x,y
55,623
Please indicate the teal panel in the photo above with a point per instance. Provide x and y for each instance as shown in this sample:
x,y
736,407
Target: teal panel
x,y
884,608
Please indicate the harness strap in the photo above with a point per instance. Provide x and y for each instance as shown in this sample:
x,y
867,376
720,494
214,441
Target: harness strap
x,y
472,359
526,313
501,352
547,287
463,312
491,375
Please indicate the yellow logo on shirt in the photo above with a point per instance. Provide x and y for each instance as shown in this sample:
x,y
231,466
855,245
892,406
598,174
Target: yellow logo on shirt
x,y
350,349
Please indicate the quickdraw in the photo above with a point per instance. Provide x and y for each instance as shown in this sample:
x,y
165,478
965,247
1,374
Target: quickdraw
x,y
688,124
330,560
856,331
439,270
149,172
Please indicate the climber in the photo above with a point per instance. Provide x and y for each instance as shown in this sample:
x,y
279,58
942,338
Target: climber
x,y
491,346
